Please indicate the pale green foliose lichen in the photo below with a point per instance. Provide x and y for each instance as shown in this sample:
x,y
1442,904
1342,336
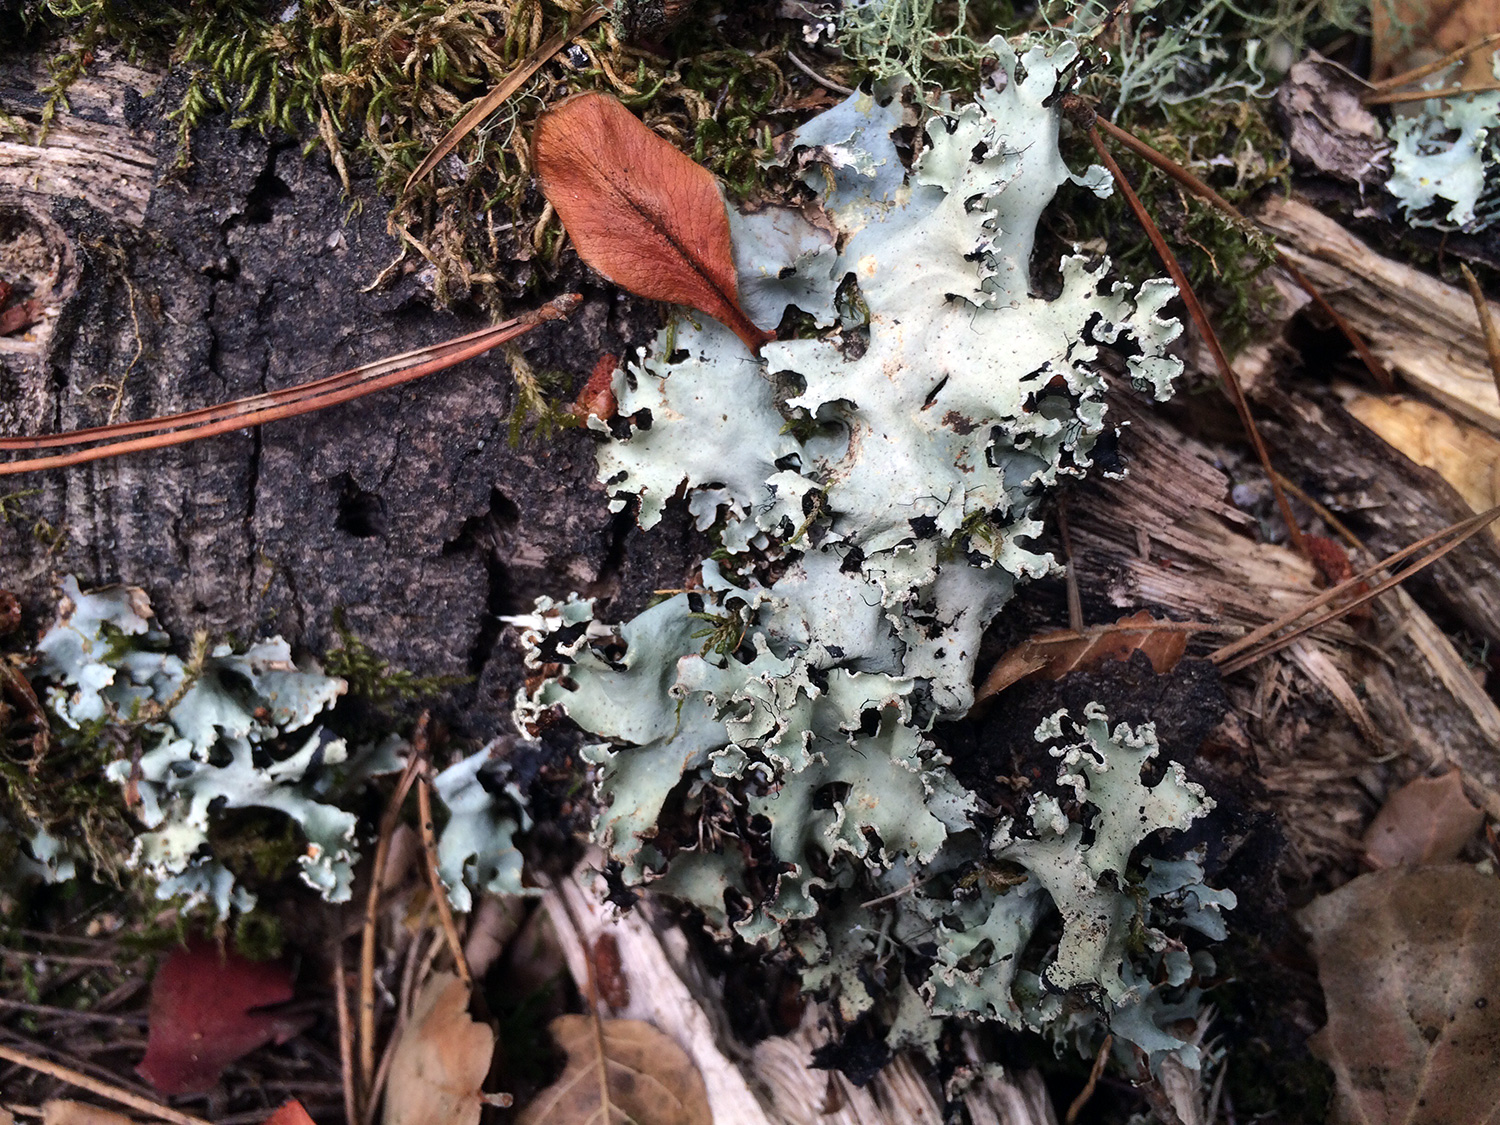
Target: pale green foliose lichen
x,y
234,730
873,487
1448,156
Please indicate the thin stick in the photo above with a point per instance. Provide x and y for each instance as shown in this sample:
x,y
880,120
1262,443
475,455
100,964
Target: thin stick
x,y
1486,322
1395,97
1070,575
1088,1090
196,425
367,943
440,892
346,1032
1471,527
1205,329
826,83
1417,74
1186,178
497,97
95,1086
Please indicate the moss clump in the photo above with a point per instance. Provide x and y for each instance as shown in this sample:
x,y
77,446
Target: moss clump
x,y
372,679
377,83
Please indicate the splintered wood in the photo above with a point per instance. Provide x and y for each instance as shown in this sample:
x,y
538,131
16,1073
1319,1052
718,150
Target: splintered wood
x,y
1425,330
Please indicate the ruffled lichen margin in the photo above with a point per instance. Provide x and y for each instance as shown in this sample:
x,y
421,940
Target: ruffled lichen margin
x,y
873,482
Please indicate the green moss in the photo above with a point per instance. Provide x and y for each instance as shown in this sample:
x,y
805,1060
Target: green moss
x,y
373,679
377,84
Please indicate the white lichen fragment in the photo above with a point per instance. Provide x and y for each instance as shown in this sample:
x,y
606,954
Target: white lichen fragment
x,y
235,730
1449,155
887,467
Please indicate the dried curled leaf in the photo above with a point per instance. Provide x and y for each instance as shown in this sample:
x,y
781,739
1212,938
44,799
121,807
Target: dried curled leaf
x,y
1409,961
441,1061
644,1077
1051,656
1428,820
638,210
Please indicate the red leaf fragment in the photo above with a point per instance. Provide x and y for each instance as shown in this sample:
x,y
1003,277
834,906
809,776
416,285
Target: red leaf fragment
x,y
609,973
1428,820
638,210
1051,656
207,1009
20,317
290,1113
598,397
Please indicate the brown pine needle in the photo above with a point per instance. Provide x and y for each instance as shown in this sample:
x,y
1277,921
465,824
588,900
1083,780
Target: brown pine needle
x,y
1417,74
1243,652
346,1031
1395,97
366,1037
1200,318
96,1086
1486,322
1184,177
194,425
440,892
498,96
1088,1090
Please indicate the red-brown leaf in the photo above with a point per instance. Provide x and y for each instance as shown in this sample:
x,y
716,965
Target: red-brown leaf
x,y
1051,656
1428,820
290,1113
638,210
207,1009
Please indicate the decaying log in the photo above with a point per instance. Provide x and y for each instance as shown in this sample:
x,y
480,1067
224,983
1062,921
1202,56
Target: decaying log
x,y
1425,330
774,1082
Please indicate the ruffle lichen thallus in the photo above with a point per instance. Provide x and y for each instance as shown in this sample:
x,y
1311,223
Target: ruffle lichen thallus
x,y
886,470
228,730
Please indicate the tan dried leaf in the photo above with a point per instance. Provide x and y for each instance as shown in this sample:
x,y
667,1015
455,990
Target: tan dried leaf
x,y
61,1111
1052,656
1409,961
620,1071
441,1060
1428,820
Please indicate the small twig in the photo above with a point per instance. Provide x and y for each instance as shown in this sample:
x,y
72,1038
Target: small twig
x,y
388,824
1486,321
826,83
1070,575
346,1032
1396,97
1418,73
440,892
1205,329
95,1086
1088,1090
71,1013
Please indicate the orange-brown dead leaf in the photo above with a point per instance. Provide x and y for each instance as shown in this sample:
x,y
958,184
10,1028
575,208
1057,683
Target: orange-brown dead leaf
x,y
441,1060
1409,33
1428,820
1409,961
620,1071
598,397
290,1113
638,210
1051,656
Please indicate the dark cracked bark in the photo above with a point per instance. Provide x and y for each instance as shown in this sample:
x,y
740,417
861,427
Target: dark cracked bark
x,y
408,514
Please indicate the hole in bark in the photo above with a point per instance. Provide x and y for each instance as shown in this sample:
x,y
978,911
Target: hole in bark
x,y
361,512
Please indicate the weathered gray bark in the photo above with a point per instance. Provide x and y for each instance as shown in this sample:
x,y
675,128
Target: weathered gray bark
x,y
407,512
